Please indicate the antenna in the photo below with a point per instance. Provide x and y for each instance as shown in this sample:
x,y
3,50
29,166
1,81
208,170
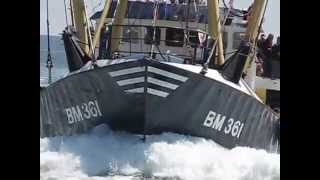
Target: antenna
x,y
49,59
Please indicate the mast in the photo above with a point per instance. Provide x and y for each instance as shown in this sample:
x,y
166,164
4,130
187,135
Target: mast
x,y
80,23
101,23
117,22
214,27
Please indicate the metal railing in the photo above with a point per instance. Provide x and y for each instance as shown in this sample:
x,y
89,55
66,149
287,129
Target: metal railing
x,y
138,37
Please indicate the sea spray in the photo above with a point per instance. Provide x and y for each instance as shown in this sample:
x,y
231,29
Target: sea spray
x,y
103,153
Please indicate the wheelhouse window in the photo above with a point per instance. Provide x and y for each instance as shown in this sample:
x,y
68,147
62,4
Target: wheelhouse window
x,y
174,37
237,38
130,34
148,39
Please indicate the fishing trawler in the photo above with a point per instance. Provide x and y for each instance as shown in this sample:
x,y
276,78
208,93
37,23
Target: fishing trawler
x,y
159,85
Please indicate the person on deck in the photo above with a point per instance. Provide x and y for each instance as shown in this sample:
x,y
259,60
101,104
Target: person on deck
x,y
261,40
248,13
266,48
275,60
104,42
208,44
276,50
260,55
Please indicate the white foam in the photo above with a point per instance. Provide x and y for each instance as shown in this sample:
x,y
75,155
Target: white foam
x,y
103,153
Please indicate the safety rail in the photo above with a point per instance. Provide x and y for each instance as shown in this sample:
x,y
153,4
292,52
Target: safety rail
x,y
174,41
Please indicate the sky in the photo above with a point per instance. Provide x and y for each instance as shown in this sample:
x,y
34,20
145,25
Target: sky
x,y
57,18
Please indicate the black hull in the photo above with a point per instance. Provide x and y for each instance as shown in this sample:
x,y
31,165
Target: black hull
x,y
149,97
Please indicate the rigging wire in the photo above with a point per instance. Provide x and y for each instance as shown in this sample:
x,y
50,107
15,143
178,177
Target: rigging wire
x,y
49,59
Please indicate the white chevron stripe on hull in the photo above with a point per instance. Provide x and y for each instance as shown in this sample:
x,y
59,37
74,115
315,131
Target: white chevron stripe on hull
x,y
150,69
149,91
135,90
167,74
157,92
130,81
127,71
151,80
162,83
